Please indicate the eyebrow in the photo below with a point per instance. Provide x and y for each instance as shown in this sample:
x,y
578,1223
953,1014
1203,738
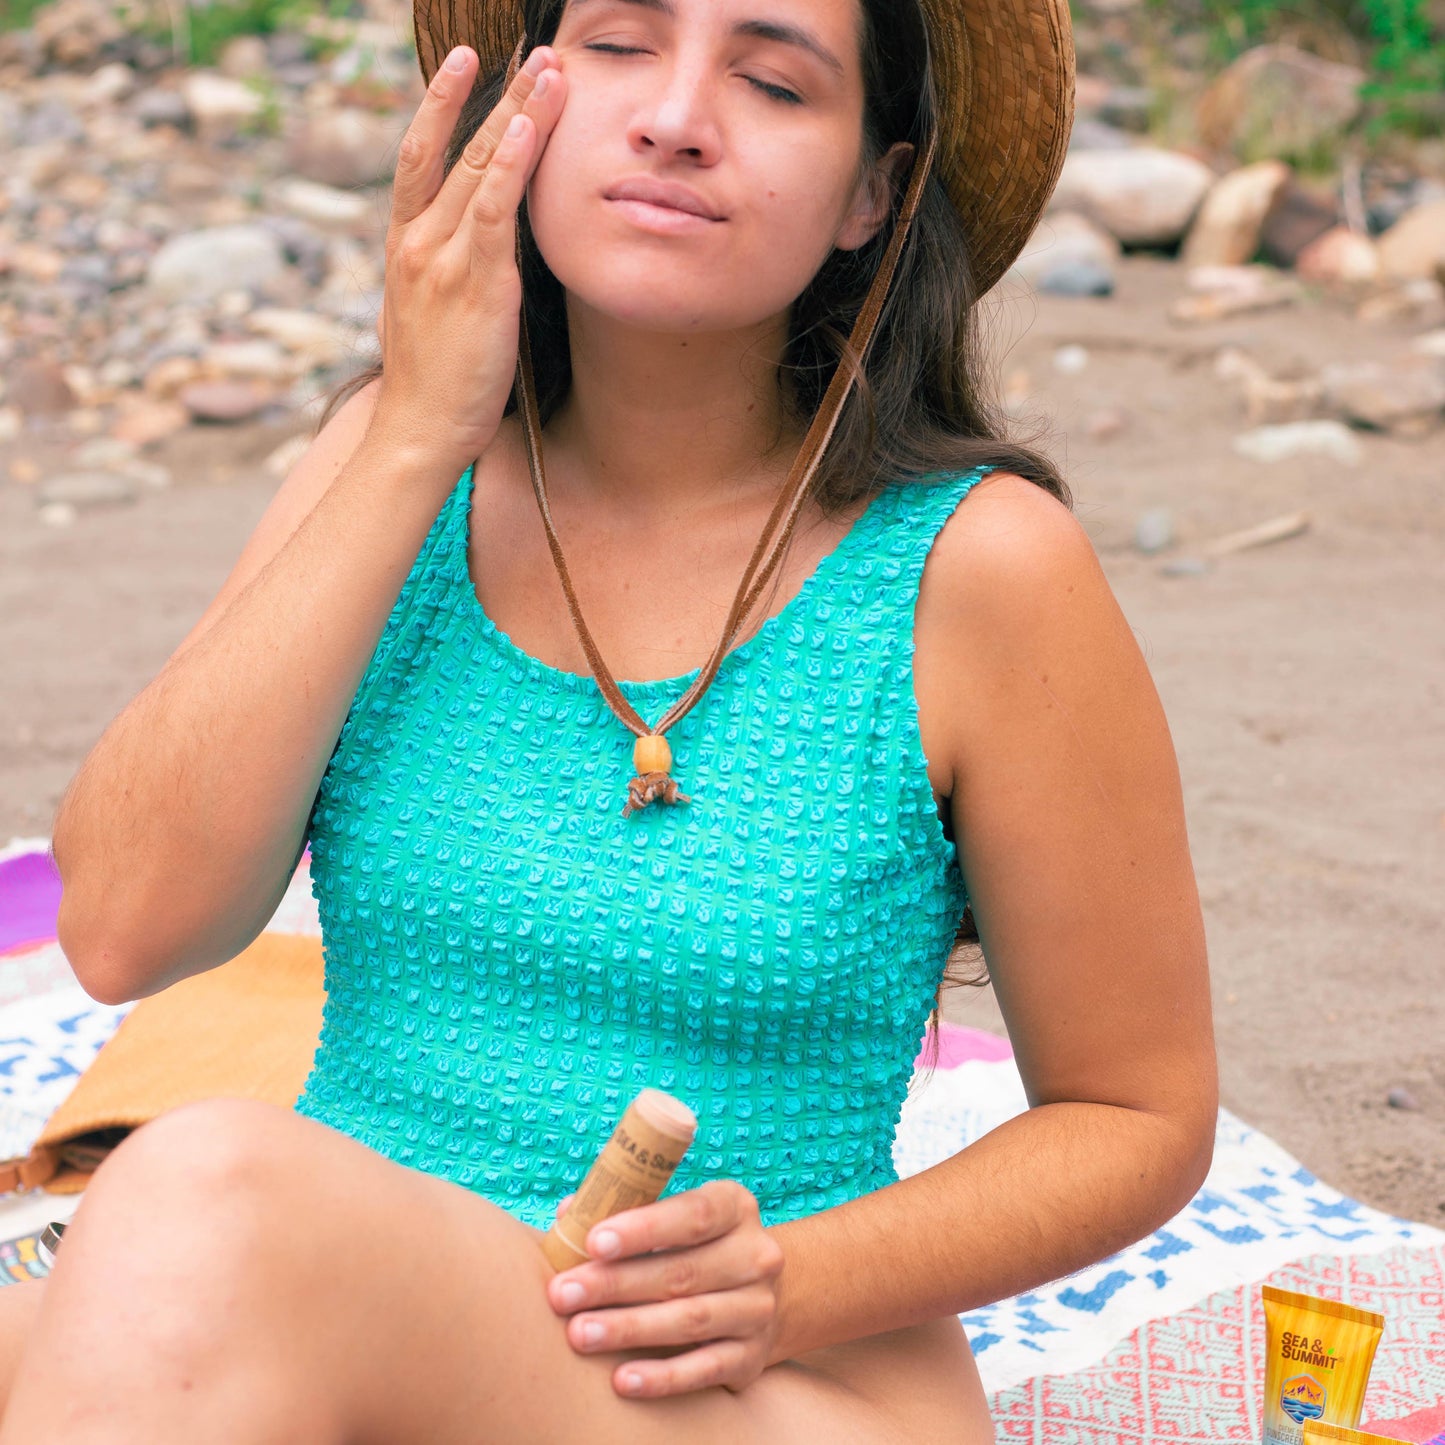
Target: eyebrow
x,y
759,29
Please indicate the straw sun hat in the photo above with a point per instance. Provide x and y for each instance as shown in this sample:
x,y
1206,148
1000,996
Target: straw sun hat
x,y
1004,75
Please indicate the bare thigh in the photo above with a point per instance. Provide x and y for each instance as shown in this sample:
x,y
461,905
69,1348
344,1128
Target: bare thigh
x,y
401,1307
19,1305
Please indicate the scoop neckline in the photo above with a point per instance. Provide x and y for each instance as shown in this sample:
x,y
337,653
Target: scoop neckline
x,y
647,688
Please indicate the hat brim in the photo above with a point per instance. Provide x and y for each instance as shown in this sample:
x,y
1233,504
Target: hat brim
x,y
1004,77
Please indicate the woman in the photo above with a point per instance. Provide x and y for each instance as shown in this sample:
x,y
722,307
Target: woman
x,y
530,914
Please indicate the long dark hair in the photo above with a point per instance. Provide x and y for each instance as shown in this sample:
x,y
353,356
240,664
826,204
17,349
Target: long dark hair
x,y
923,404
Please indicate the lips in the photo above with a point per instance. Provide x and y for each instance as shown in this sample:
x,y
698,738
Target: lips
x,y
664,193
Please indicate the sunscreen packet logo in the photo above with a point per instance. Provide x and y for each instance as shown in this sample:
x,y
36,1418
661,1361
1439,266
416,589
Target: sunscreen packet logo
x,y
1303,1398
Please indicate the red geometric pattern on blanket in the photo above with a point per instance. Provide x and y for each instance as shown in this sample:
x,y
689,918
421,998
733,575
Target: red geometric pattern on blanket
x,y
1198,1376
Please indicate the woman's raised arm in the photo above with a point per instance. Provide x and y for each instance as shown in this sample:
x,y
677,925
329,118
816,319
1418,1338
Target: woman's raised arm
x,y
176,839
179,833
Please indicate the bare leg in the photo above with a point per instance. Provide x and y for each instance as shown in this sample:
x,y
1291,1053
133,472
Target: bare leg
x,y
284,1294
19,1306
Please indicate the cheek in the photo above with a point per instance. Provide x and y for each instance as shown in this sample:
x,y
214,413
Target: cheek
x,y
772,245
559,181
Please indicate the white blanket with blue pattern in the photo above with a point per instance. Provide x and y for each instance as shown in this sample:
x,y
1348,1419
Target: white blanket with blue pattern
x,y
1259,1209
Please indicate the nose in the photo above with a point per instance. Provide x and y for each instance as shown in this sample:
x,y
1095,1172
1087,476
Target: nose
x,y
676,119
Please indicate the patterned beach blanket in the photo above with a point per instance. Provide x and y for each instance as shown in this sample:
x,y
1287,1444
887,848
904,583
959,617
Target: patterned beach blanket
x,y
1162,1341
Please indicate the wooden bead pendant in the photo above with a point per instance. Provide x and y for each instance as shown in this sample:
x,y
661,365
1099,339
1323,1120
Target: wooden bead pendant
x,y
652,757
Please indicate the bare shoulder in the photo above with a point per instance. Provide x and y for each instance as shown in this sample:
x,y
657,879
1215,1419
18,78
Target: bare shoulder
x,y
1010,552
1015,615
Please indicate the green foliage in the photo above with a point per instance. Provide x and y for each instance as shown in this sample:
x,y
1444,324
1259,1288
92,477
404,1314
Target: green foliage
x,y
1409,66
207,28
1401,47
16,14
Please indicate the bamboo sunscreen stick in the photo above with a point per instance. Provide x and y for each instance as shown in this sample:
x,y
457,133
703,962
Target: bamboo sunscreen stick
x,y
632,1170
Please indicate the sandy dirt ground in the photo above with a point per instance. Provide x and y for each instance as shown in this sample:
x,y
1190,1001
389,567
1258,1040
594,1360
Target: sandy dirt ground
x,y
1304,683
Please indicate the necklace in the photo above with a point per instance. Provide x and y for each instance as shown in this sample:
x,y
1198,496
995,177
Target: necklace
x,y
652,754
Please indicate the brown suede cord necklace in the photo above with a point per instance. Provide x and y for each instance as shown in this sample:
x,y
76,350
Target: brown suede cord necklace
x,y
652,755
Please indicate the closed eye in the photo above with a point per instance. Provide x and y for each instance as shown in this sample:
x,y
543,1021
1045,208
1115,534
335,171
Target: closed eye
x,y
773,92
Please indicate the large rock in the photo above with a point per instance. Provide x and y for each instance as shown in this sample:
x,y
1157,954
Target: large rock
x,y
243,56
1226,230
1407,397
322,205
345,147
156,107
1064,239
76,33
226,401
107,85
145,421
220,106
316,338
1276,100
1341,257
1413,249
1298,217
39,388
200,265
1089,134
1142,197
1077,278
257,357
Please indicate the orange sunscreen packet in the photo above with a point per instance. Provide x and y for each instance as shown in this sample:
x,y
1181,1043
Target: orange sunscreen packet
x,y
632,1170
1318,1363
1318,1433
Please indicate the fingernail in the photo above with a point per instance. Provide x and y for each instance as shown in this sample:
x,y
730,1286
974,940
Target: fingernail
x,y
606,1243
592,1332
536,62
516,128
457,60
632,1383
540,89
570,1294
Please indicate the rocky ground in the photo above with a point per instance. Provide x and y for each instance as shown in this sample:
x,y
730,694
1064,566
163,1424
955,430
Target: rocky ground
x,y
1242,368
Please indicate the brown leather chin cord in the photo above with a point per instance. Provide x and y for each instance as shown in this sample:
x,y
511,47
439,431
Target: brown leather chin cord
x,y
652,755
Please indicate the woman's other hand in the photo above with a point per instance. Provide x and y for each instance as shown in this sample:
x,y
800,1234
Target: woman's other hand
x,y
450,315
695,1268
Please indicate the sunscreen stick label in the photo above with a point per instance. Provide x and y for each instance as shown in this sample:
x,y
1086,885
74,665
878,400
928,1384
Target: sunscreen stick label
x,y
632,1170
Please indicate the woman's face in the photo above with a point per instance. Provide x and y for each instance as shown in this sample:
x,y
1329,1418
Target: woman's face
x,y
749,110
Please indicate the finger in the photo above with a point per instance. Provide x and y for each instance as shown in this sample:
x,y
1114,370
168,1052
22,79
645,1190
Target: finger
x,y
564,1202
420,156
721,1315
692,1217
724,1362
488,229
538,97
738,1259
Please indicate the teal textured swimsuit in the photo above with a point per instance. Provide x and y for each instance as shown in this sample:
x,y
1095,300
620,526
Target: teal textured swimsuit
x,y
509,960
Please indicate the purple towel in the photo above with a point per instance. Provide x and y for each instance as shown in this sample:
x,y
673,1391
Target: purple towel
x,y
29,901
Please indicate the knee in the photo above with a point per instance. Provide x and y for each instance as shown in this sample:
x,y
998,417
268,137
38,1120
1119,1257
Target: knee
x,y
214,1146
214,1173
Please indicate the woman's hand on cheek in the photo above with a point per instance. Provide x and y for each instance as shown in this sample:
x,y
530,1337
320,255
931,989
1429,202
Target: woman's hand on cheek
x,y
712,1285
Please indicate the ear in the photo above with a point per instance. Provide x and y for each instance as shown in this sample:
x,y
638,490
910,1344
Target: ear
x,y
872,201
